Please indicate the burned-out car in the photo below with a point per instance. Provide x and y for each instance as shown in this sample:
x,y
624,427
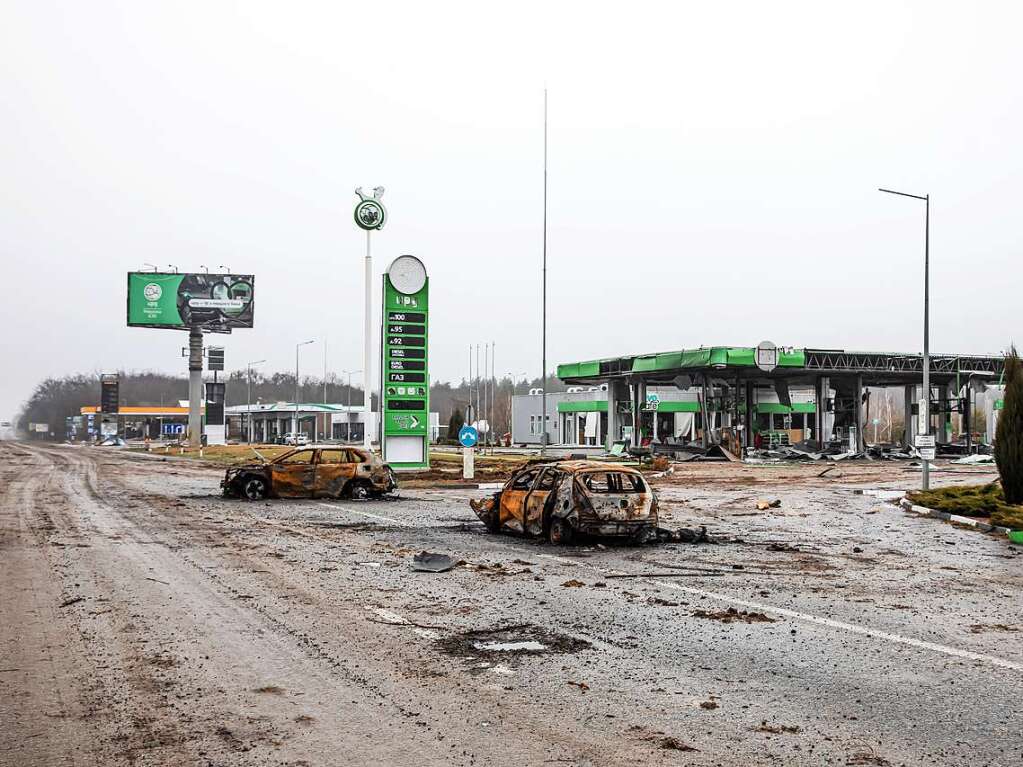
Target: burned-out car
x,y
559,500
330,471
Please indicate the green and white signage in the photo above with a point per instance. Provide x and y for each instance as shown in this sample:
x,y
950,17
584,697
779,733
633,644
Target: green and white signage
x,y
405,379
210,302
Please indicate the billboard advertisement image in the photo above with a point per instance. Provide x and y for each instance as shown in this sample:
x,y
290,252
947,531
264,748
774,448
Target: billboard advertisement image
x,y
215,303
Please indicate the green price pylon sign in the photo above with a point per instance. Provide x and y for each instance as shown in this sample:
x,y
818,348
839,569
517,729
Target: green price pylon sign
x,y
405,379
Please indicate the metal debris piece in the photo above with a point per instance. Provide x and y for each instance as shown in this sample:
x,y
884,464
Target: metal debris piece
x,y
428,562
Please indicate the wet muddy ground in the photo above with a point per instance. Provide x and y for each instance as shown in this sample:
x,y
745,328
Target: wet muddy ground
x,y
144,620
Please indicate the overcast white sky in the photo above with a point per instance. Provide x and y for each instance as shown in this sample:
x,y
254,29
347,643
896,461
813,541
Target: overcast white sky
x,y
713,174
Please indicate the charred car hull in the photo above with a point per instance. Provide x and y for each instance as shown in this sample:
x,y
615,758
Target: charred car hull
x,y
312,472
560,500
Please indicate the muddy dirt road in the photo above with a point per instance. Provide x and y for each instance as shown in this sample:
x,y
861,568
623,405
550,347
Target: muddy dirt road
x,y
144,620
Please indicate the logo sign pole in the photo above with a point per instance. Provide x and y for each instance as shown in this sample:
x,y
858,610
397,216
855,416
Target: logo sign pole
x,y
405,385
370,215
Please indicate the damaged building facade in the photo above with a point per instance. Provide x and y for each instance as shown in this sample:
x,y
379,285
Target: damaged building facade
x,y
750,397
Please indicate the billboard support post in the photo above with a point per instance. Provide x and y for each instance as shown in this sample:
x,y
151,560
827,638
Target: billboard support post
x,y
195,387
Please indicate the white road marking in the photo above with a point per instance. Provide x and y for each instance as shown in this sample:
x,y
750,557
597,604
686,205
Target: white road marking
x,y
336,506
829,622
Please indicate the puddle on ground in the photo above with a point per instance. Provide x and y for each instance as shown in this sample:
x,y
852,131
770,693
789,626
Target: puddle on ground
x,y
526,645
507,644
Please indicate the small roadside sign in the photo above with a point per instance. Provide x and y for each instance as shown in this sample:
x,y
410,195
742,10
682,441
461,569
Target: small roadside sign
x,y
927,453
925,440
468,436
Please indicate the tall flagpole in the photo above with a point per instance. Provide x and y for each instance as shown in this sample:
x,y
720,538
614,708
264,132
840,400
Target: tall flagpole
x,y
543,395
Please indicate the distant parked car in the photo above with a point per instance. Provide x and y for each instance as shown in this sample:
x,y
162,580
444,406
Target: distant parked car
x,y
558,500
112,442
295,440
311,472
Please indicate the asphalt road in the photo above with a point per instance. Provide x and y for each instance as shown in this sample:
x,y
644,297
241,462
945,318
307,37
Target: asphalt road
x,y
144,620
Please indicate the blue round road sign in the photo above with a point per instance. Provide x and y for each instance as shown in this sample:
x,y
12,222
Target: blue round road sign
x,y
468,436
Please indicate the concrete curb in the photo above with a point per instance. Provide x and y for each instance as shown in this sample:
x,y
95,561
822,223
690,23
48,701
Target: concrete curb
x,y
923,511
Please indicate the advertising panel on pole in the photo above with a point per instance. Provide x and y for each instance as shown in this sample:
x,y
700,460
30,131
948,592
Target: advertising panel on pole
x,y
214,303
109,393
405,382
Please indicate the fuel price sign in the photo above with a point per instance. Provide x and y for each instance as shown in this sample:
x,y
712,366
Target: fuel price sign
x,y
406,378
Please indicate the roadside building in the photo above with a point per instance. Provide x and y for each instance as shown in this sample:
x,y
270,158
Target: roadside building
x,y
154,422
318,421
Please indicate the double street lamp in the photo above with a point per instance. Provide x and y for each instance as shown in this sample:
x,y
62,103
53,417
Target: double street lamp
x,y
294,423
925,401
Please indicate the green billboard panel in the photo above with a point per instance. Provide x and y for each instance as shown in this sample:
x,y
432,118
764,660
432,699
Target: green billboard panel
x,y
215,303
405,379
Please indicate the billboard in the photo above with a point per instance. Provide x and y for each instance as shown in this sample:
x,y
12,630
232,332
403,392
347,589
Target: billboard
x,y
215,303
406,376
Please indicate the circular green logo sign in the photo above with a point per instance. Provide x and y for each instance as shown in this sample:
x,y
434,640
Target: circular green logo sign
x,y
370,214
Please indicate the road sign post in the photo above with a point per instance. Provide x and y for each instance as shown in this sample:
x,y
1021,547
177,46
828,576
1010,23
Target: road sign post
x,y
405,388
468,436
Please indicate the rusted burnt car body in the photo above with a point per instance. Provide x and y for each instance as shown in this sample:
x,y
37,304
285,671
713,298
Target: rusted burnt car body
x,y
312,472
562,499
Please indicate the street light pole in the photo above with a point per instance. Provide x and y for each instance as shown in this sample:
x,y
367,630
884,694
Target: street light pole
x,y
349,374
543,353
925,401
294,420
248,394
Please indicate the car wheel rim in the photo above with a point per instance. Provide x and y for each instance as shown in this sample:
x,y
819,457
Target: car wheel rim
x,y
360,492
253,489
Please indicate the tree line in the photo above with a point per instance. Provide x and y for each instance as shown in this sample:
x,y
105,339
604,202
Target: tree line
x,y
54,399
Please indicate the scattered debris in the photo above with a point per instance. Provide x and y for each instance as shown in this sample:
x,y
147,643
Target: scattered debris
x,y
732,615
674,744
428,562
682,535
764,505
698,574
583,687
709,705
573,584
662,602
973,460
777,729
72,601
979,628
270,689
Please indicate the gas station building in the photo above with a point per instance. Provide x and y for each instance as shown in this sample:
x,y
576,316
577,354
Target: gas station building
x,y
740,396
